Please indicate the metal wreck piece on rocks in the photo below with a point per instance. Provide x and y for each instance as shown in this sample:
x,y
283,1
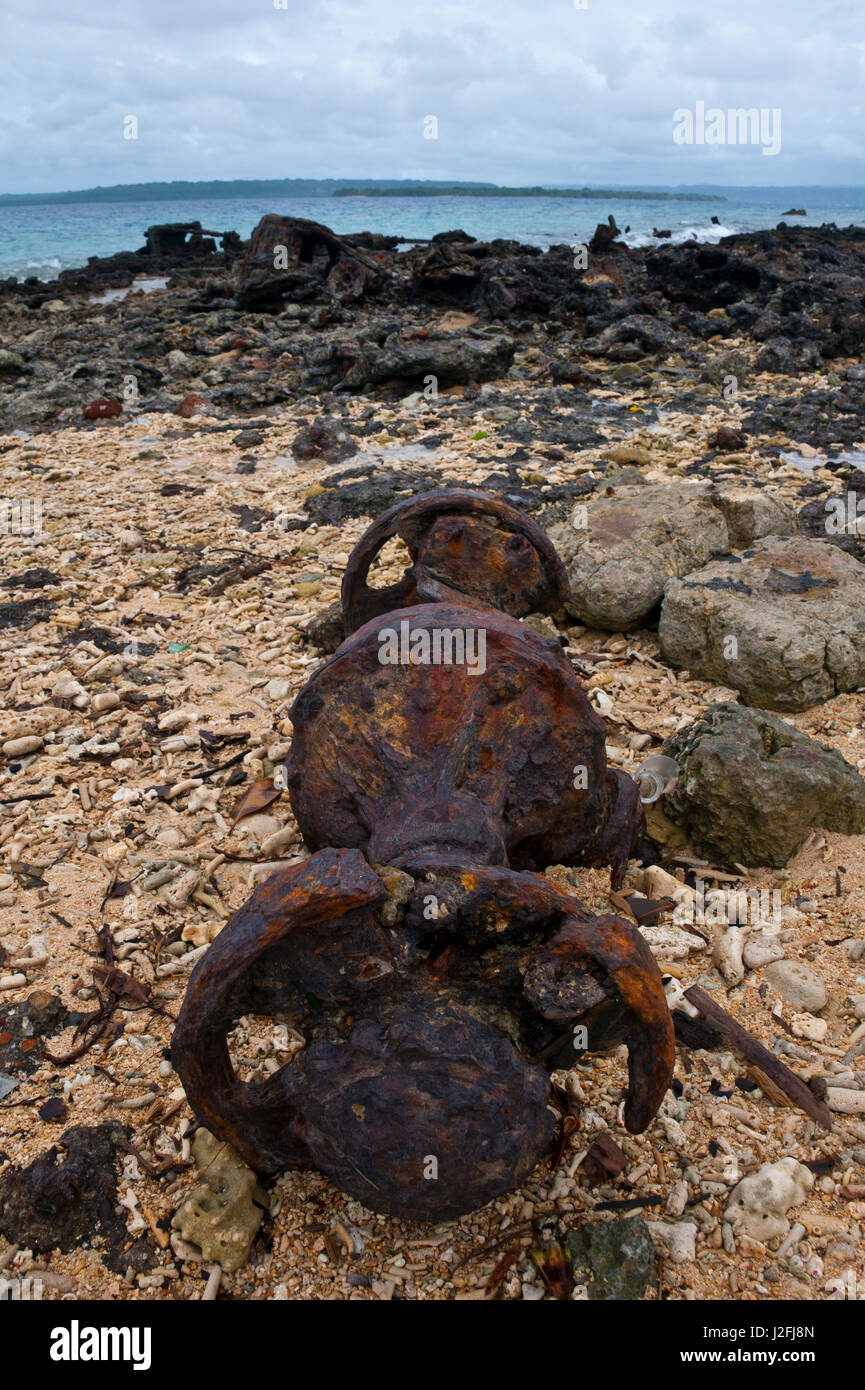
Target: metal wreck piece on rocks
x,y
423,1085
443,752
505,765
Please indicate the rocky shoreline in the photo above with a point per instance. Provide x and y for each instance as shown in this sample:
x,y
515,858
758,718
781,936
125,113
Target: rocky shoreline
x,y
183,475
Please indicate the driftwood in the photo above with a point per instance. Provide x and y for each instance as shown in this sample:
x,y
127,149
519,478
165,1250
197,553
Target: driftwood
x,y
780,1075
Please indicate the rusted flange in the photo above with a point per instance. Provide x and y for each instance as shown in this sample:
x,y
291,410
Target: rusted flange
x,y
465,546
495,758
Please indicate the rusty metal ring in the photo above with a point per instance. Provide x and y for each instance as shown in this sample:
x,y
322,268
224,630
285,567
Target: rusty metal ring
x,y
413,520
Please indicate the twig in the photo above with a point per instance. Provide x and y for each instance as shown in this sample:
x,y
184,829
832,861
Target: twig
x,y
792,1085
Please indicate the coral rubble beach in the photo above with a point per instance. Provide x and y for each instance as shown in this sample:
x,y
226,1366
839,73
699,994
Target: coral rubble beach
x,y
183,474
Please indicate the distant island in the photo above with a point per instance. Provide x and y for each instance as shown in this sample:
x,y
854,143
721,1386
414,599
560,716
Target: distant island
x,y
180,189
462,190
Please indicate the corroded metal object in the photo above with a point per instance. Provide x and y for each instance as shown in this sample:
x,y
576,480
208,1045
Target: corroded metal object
x,y
464,546
505,765
444,750
434,1005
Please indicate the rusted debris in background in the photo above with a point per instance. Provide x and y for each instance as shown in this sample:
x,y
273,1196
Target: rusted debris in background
x,y
292,255
436,983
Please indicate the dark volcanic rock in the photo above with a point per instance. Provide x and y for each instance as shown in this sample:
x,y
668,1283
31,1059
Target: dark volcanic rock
x,y
323,439
616,1259
751,787
24,1025
358,363
67,1198
703,277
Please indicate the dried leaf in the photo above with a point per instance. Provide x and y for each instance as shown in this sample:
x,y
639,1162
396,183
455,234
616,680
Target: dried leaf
x,y
259,795
121,983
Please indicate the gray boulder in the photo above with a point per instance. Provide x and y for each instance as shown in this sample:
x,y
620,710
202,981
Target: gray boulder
x,y
754,512
634,543
751,787
783,622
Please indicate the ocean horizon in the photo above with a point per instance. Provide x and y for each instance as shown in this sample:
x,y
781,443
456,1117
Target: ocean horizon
x,y
42,239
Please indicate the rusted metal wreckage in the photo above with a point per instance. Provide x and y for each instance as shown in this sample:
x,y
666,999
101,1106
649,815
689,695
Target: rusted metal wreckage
x,y
436,978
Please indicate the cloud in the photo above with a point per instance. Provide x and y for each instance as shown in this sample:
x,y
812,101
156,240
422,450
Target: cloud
x,y
534,93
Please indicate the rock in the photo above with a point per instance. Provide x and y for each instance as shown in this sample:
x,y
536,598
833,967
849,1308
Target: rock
x,y
634,543
783,622
192,405
858,1002
20,747
759,1204
808,1028
297,257
727,955
751,786
677,1199
762,950
618,1256
630,338
726,439
753,512
20,723
326,630
701,277
11,365
678,1237
843,1101
66,1199
106,699
278,689
223,1213
604,235
102,410
628,453
798,985
259,825
786,357
453,361
325,439
628,476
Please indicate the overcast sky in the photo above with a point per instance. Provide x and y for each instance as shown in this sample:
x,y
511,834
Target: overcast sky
x,y
524,91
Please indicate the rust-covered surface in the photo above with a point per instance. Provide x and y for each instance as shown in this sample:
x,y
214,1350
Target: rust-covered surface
x,y
464,546
442,753
505,765
429,1040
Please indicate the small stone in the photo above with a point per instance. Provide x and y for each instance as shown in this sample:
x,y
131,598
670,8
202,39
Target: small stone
x,y
844,1101
617,1256
678,1237
759,1204
762,950
798,985
102,410
192,405
812,1029
677,1199
20,747
223,1213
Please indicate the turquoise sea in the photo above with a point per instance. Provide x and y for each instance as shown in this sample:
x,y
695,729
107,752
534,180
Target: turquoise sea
x,y
43,238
